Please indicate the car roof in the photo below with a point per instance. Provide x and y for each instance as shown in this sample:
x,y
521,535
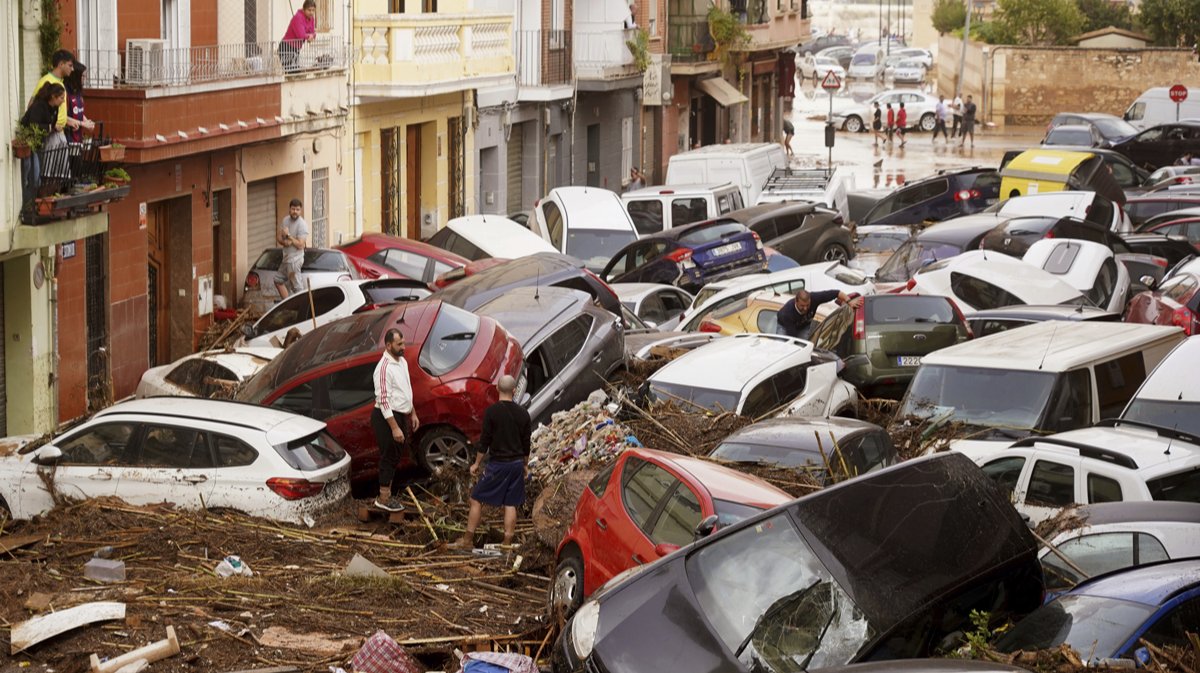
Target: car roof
x,y
1086,128
527,311
1039,312
243,361
798,433
737,149
310,255
498,236
279,426
1152,584
1013,275
584,199
722,483
1175,377
1154,511
636,291
676,233
388,241
741,358
538,265
677,190
1048,346
752,214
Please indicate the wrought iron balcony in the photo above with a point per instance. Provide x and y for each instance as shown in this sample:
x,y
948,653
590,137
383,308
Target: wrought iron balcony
x,y
67,181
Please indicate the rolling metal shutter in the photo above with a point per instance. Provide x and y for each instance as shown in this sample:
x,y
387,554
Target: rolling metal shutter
x,y
261,221
516,157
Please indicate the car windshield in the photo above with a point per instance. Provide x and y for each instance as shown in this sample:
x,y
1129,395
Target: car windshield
x,y
315,260
314,452
1176,415
782,456
596,246
881,242
449,341
772,603
1114,127
705,398
1095,627
910,257
997,398
863,59
707,234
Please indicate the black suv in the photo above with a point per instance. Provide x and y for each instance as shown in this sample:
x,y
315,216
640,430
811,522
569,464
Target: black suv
x,y
947,194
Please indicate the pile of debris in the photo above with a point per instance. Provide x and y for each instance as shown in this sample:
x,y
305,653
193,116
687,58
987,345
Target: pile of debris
x,y
584,436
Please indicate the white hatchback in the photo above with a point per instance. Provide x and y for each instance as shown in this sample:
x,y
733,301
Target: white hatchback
x,y
980,279
1089,267
208,374
256,460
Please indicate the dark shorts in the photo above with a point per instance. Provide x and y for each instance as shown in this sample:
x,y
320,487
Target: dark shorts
x,y
502,484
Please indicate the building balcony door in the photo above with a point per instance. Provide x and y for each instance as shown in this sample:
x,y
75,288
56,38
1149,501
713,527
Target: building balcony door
x,y
413,180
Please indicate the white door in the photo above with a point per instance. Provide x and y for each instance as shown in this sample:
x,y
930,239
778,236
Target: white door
x,y
93,459
173,464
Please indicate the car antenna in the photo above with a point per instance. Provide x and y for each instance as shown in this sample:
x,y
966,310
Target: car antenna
x,y
537,285
1053,331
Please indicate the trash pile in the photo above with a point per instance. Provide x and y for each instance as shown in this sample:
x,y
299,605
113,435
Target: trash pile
x,y
584,436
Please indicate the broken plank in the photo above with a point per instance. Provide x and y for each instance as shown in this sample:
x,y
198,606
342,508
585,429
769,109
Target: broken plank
x,y
10,543
277,669
33,631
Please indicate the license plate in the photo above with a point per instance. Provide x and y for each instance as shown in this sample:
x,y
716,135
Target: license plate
x,y
908,360
727,249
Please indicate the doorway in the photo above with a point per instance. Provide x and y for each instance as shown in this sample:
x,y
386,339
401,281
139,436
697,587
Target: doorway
x,y
593,155
99,386
169,282
413,181
222,232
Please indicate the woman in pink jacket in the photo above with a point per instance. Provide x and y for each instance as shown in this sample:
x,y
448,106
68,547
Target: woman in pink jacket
x,y
301,29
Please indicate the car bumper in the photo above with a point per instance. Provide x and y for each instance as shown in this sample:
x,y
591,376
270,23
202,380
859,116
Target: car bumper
x,y
697,277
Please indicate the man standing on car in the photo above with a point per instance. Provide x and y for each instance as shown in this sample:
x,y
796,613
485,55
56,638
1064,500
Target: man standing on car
x,y
394,420
505,441
292,237
795,318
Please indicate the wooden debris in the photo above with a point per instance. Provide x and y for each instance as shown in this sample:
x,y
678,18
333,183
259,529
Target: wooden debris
x,y
33,631
11,543
156,651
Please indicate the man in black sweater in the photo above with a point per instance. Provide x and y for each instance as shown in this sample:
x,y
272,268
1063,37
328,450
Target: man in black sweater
x,y
795,318
505,441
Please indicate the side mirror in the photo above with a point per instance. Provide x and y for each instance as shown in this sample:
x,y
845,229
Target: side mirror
x,y
857,361
1148,281
47,455
705,527
664,548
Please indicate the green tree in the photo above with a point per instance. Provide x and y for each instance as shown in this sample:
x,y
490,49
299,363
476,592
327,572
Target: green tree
x,y
1104,13
1039,22
948,15
1171,23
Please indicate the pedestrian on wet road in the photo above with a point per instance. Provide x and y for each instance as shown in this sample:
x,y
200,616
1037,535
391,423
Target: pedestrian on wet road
x,y
957,109
891,122
968,122
394,420
902,123
877,124
939,120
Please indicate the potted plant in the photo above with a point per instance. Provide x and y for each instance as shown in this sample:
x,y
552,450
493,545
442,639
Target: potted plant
x,y
45,205
27,140
116,176
112,152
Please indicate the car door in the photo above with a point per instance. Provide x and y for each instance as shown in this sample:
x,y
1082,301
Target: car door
x,y
674,303
569,375
650,265
1147,148
238,479
173,463
623,521
676,522
1100,553
1053,484
92,459
344,399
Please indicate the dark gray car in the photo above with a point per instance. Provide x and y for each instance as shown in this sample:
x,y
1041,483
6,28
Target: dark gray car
x,y
543,269
571,346
806,232
808,445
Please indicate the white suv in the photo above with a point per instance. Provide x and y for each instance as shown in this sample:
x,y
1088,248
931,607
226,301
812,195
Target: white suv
x,y
1112,462
257,460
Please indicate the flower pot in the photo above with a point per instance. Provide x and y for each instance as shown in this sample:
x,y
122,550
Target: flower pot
x,y
45,207
120,182
110,153
21,150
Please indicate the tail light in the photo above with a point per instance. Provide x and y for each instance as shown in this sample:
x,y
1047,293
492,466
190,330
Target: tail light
x,y
680,255
601,283
1184,318
1161,261
294,489
860,321
912,282
1183,180
757,240
966,194
959,314
252,280
709,326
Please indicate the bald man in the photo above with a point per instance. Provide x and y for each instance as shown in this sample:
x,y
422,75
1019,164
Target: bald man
x,y
505,442
796,317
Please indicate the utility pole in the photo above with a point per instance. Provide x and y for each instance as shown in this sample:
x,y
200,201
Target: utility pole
x,y
962,57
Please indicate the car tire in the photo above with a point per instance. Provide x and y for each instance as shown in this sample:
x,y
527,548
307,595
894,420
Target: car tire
x,y
566,588
835,252
928,121
441,446
853,124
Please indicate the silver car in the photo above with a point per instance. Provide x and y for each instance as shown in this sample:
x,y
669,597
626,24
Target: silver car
x,y
571,344
920,108
320,267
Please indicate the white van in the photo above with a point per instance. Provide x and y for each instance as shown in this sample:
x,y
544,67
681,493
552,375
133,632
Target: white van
x,y
588,223
656,209
1155,107
747,165
481,236
866,63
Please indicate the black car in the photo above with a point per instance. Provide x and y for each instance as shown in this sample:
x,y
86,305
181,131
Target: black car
x,y
806,232
1162,145
543,268
947,194
1072,135
824,42
1110,128
940,241
883,566
812,445
1155,209
1014,236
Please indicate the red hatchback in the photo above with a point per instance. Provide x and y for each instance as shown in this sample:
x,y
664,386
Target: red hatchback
x,y
644,506
455,359
1176,302
409,258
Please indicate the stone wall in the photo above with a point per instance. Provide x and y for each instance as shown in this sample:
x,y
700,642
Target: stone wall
x,y
1029,85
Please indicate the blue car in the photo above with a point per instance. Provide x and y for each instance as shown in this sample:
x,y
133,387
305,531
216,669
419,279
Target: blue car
x,y
689,256
1107,616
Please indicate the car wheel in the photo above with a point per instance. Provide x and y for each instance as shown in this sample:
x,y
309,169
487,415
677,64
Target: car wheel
x,y
834,252
928,121
443,446
566,591
854,124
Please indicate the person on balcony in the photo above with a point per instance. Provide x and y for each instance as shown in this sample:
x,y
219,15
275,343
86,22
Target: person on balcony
x,y
631,20
301,29
42,113
74,86
61,65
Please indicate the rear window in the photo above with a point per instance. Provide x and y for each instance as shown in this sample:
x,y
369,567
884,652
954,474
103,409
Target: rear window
x,y
912,309
738,452
703,398
314,452
449,341
1182,487
1063,136
702,235
315,259
981,294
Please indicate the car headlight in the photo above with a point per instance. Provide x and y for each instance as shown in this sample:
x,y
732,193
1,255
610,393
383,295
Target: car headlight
x,y
583,628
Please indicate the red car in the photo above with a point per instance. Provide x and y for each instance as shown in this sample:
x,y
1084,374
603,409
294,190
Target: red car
x,y
409,258
1186,227
1175,302
644,506
473,267
455,360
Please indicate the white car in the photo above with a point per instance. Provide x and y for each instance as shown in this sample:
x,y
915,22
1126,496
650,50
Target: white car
x,y
919,106
588,223
875,243
817,67
306,311
811,277
659,306
866,63
922,57
982,279
755,375
215,372
477,237
190,452
1089,267
1170,396
1088,206
906,71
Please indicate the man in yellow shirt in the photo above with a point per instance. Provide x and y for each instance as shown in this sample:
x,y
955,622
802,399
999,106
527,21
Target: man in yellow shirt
x,y
62,63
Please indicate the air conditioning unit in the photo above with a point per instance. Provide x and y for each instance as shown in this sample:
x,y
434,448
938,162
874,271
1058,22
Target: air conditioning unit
x,y
145,62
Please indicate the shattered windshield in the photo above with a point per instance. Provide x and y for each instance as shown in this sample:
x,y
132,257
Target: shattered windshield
x,y
997,398
772,602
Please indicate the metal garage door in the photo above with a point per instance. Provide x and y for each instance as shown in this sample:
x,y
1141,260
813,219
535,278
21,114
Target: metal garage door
x,y
260,218
516,157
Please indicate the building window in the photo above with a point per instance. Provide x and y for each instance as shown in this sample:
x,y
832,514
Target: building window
x,y
558,24
320,207
652,17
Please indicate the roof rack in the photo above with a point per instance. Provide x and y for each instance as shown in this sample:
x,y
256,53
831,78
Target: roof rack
x,y
1169,433
1085,450
795,179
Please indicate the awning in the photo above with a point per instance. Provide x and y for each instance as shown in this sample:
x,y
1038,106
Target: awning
x,y
722,91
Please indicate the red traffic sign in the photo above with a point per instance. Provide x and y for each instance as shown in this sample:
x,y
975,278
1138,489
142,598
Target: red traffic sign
x,y
1178,93
832,83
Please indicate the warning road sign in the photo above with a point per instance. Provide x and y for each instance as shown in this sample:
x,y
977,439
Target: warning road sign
x,y
831,81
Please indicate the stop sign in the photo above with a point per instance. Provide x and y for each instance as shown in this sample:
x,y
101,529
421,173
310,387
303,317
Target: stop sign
x,y
1178,93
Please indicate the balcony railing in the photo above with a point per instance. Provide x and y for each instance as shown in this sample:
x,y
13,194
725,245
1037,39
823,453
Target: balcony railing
x,y
604,54
543,57
66,181
431,49
688,40
151,63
